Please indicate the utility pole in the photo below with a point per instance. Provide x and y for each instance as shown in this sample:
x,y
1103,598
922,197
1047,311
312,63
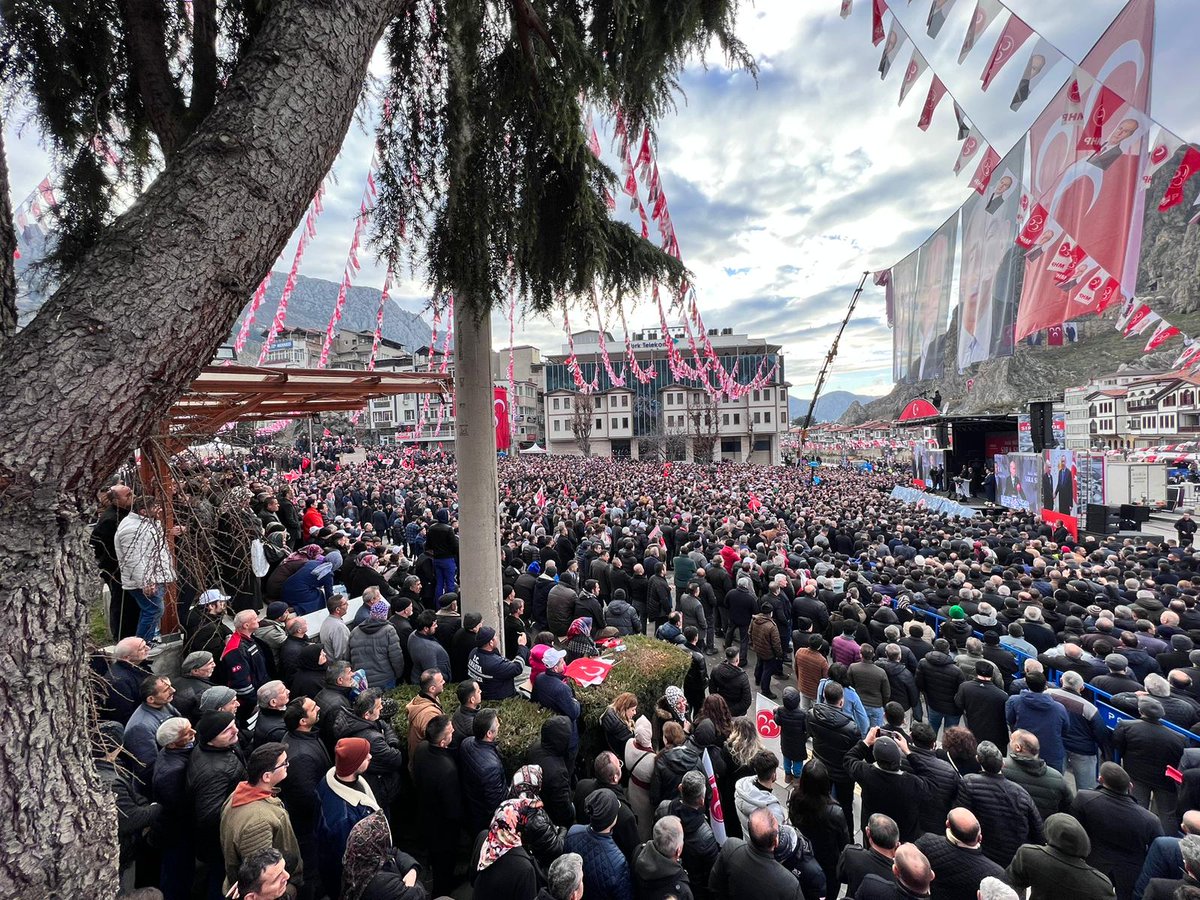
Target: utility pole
x,y
833,349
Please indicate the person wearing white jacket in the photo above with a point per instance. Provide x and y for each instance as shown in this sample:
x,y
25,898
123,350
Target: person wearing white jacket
x,y
145,560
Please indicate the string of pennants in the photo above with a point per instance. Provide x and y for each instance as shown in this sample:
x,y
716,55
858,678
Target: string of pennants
x,y
1070,265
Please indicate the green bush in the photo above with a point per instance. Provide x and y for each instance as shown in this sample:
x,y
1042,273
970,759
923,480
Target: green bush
x,y
646,668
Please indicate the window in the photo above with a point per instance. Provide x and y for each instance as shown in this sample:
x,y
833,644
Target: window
x,y
757,417
679,399
556,403
614,423
410,415
767,394
624,421
557,422
599,423
725,418
767,417
731,445
737,418
755,398
625,401
762,444
566,402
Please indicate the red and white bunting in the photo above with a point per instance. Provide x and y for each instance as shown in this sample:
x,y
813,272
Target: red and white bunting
x,y
937,90
1163,333
983,175
969,149
1163,147
917,65
1187,168
985,13
878,8
1014,34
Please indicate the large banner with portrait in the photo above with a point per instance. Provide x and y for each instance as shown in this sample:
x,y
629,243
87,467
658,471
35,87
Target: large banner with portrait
x,y
925,461
1018,481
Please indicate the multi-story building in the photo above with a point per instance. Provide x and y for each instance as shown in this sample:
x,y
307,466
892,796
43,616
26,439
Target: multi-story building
x,y
424,419
528,414
300,348
665,418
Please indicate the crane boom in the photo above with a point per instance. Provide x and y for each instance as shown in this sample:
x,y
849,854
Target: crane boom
x,y
833,348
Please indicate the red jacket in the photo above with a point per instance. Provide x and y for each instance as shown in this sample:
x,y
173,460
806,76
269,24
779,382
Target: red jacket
x,y
729,557
312,519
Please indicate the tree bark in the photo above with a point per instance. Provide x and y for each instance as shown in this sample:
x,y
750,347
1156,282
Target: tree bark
x,y
8,249
146,43
475,453
97,370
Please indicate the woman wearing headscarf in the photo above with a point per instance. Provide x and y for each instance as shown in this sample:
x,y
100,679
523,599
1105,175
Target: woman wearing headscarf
x,y
372,869
539,835
579,640
309,679
310,587
536,665
363,574
639,759
672,706
503,867
289,567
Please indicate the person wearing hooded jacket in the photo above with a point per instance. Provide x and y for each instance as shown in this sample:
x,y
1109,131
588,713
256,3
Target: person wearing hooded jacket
x,y
309,679
553,753
938,678
621,615
1036,711
679,756
1058,869
757,791
375,648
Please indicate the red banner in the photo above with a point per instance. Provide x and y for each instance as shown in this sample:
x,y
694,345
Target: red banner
x,y
937,91
1093,193
1187,168
877,10
1069,522
500,415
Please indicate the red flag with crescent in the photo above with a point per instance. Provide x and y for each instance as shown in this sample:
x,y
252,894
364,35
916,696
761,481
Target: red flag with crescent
x,y
500,415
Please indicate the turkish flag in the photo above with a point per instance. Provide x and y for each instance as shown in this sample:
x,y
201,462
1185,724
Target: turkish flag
x,y
588,671
937,91
1187,168
983,175
1015,33
500,415
878,7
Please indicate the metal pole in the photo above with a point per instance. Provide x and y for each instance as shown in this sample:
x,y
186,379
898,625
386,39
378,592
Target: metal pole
x,y
833,349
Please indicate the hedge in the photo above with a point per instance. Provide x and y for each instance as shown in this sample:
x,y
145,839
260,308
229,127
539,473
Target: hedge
x,y
646,668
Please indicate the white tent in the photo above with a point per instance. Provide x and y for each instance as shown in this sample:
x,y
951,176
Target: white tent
x,y
534,450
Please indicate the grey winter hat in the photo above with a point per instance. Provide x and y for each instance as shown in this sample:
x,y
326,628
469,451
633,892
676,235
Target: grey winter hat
x,y
216,697
1116,662
887,753
197,659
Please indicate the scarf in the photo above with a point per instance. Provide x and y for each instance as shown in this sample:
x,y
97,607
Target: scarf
x,y
367,849
307,553
527,784
503,834
582,625
675,697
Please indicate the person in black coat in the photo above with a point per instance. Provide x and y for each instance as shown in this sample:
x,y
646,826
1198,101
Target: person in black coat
x,y
1005,810
552,753
938,678
482,772
748,868
700,847
309,679
793,733
874,857
174,833
983,703
123,680
439,798
876,764
308,761
608,777
960,864
1120,830
292,649
364,720
742,605
730,680
1147,747
215,768
833,733
940,777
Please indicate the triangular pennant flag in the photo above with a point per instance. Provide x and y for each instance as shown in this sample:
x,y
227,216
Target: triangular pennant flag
x,y
937,91
1142,323
1038,221
983,175
1065,256
847,8
970,147
1191,350
1127,310
896,40
1104,110
1015,33
878,8
939,11
985,13
644,152
1163,333
964,126
1187,168
915,69
1140,312
1041,59
1163,146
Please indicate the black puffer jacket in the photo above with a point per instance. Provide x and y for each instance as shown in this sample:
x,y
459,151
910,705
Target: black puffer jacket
x,y
938,678
833,733
551,753
483,781
903,685
541,837
212,775
1050,792
1006,813
670,767
387,759
700,847
941,785
732,683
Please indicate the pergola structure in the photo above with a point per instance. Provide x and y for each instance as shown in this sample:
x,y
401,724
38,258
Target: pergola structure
x,y
224,395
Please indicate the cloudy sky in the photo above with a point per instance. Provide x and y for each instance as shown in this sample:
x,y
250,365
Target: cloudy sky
x,y
785,189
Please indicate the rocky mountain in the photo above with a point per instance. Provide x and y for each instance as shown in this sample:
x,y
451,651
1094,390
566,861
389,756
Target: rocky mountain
x,y
830,407
1168,280
312,303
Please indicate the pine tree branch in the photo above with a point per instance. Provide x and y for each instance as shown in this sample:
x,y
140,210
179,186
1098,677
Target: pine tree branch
x,y
8,249
204,59
146,42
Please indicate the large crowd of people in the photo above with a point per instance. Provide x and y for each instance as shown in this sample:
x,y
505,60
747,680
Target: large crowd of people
x,y
935,690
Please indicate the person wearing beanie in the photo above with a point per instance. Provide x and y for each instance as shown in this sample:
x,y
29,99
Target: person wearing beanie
x,y
875,764
1119,830
983,702
216,767
793,733
272,628
1005,811
605,869
1147,748
460,644
487,666
375,648
1059,870
195,677
254,817
345,798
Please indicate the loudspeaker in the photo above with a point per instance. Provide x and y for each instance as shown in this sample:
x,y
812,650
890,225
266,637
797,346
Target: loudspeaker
x,y
1041,426
1097,518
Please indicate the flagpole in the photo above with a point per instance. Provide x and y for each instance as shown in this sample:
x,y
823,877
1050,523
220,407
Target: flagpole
x,y
829,358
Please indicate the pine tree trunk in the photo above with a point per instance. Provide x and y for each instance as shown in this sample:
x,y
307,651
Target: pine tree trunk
x,y
8,247
97,370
